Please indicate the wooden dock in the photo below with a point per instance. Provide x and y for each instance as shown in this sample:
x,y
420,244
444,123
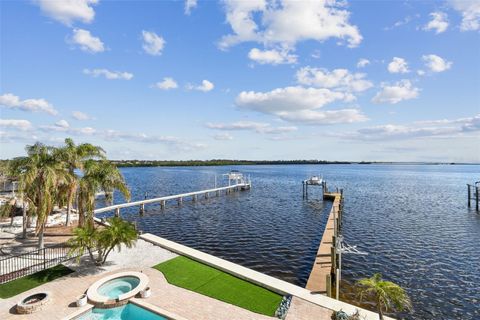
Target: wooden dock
x,y
323,268
178,197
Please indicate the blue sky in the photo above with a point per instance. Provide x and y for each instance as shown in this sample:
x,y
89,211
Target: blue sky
x,y
334,80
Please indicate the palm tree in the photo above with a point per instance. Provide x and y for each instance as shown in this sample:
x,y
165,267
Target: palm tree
x,y
74,157
117,233
387,295
103,241
98,176
40,176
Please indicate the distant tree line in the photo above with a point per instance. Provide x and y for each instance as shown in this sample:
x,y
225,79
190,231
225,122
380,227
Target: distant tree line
x,y
216,162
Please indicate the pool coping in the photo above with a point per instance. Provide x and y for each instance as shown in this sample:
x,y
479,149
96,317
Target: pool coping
x,y
97,299
156,309
79,312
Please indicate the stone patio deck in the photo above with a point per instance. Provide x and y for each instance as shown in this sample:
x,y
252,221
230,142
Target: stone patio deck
x,y
182,302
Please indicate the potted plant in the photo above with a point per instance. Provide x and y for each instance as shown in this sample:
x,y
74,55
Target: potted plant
x,y
147,292
81,300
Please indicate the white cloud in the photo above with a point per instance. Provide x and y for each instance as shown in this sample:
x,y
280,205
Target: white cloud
x,y
401,90
439,22
470,10
289,99
314,117
86,41
174,142
111,75
153,44
436,63
340,79
398,65
273,56
32,105
15,124
81,116
402,22
362,63
223,136
62,124
288,22
68,11
167,84
259,127
205,86
420,72
298,104
189,5
434,128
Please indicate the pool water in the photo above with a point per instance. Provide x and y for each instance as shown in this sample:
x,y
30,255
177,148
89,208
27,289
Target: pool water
x,y
129,311
116,287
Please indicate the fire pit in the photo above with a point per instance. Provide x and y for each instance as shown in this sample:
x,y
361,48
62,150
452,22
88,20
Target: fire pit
x,y
32,303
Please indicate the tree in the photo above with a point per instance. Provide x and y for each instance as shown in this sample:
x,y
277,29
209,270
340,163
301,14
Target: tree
x,y
387,295
102,241
40,175
74,157
98,176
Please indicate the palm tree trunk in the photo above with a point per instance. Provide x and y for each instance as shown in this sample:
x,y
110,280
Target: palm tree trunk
x,y
24,220
40,236
106,254
67,219
379,308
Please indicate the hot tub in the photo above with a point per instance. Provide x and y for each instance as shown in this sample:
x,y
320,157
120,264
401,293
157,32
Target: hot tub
x,y
116,289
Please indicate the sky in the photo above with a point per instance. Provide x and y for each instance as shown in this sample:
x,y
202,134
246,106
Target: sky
x,y
257,79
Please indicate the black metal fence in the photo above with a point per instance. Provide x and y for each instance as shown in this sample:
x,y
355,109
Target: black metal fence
x,y
20,265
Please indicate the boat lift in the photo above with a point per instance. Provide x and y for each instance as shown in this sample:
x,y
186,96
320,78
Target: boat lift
x,y
313,181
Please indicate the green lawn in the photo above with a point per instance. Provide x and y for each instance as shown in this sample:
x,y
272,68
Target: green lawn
x,y
18,286
189,274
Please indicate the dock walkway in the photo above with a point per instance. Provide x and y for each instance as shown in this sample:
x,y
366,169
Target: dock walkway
x,y
178,197
322,267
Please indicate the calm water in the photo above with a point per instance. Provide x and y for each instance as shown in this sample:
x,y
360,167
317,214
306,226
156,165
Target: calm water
x,y
412,220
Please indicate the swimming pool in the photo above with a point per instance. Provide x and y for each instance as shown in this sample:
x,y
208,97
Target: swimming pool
x,y
118,286
129,311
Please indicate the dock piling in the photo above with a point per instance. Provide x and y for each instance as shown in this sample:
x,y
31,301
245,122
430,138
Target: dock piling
x,y
473,195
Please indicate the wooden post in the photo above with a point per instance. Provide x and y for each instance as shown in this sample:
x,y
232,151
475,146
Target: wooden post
x,y
329,285
476,198
117,212
142,208
469,195
206,195
179,201
194,198
162,204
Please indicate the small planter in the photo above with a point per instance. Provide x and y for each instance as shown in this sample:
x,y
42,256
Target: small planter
x,y
82,300
146,293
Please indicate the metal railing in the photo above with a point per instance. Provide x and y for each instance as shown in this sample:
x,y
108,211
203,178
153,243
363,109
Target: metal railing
x,y
20,265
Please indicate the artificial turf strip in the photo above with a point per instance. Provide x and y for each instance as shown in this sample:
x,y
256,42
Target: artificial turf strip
x,y
18,286
189,274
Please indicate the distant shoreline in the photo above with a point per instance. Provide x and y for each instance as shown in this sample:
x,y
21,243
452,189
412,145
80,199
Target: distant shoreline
x,y
210,163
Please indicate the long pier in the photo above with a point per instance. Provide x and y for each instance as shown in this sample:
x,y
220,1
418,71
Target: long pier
x,y
178,197
320,279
